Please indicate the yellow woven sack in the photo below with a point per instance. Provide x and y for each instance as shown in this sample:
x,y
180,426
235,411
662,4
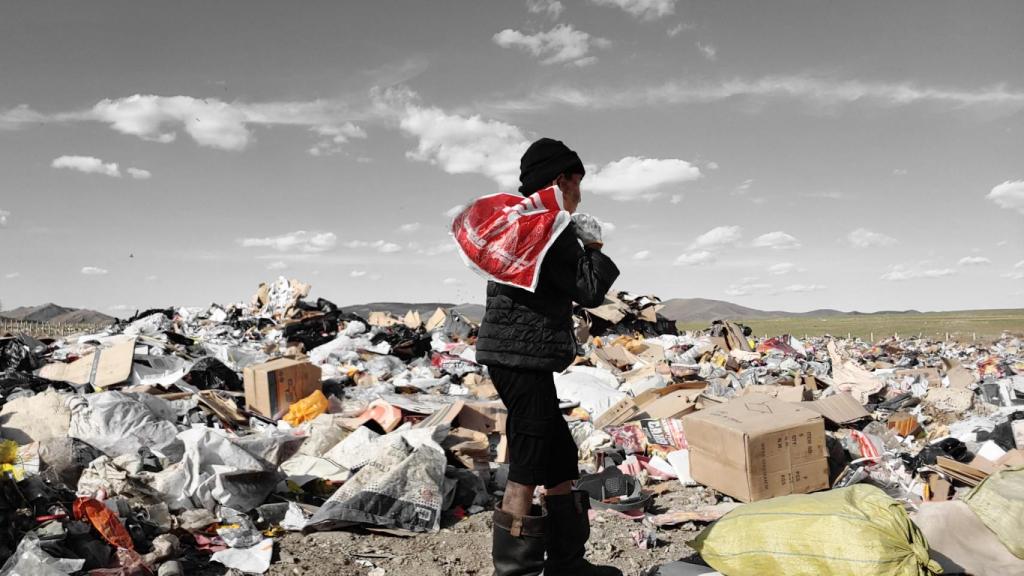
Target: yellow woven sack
x,y
999,502
846,532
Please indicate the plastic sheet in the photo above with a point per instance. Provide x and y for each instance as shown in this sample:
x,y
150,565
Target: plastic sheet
x,y
120,423
398,484
30,560
215,471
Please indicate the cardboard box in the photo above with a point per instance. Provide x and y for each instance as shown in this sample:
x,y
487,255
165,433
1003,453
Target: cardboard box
x,y
107,365
271,387
756,447
621,411
929,374
787,393
672,405
840,408
486,417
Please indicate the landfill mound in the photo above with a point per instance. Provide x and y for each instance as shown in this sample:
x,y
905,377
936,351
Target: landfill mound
x,y
291,436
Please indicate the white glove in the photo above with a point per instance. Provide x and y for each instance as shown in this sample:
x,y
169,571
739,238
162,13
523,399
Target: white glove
x,y
588,229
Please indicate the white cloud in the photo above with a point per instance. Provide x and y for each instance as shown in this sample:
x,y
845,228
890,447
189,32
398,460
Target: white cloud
x,y
818,91
410,227
974,261
552,8
898,272
864,238
718,236
642,255
466,145
708,50
93,165
744,289
743,187
782,268
676,199
87,164
636,177
300,241
1017,273
209,122
157,118
12,275
560,45
382,246
4,215
454,211
777,240
334,136
825,195
1009,195
900,172
583,62
697,258
451,282
712,165
802,288
646,9
151,278
442,247
678,29
277,265
20,116
93,271
357,273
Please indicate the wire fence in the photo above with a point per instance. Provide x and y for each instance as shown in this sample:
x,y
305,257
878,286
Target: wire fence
x,y
46,329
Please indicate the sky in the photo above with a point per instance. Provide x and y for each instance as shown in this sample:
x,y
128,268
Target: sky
x,y
785,155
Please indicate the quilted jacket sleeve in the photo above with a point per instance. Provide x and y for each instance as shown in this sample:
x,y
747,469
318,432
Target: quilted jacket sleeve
x,y
585,274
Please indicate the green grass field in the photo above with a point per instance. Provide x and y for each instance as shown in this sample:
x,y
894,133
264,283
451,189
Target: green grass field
x,y
962,325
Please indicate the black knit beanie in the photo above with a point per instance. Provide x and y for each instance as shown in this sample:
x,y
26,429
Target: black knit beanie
x,y
544,161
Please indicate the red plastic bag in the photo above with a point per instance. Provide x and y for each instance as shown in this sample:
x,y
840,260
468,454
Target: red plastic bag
x,y
104,521
504,237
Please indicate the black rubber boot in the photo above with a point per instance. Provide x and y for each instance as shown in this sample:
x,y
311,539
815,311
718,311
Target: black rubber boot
x,y
517,543
568,531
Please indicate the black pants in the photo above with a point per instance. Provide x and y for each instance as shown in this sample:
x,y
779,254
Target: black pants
x,y
540,448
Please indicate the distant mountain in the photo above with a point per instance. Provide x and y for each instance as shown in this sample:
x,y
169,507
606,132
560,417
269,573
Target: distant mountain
x,y
55,314
678,309
472,312
705,310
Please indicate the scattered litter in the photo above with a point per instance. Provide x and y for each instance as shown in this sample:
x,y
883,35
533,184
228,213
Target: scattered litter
x,y
204,434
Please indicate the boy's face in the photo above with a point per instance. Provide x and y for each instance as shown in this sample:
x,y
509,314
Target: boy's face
x,y
570,187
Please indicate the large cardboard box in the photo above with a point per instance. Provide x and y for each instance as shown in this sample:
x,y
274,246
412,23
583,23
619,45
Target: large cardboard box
x,y
271,387
756,447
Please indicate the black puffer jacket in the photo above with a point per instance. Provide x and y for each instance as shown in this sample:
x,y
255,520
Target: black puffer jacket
x,y
534,331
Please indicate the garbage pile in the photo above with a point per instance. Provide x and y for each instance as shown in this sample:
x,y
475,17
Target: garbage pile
x,y
182,437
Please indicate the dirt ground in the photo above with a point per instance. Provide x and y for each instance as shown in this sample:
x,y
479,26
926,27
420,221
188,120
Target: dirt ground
x,y
462,547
